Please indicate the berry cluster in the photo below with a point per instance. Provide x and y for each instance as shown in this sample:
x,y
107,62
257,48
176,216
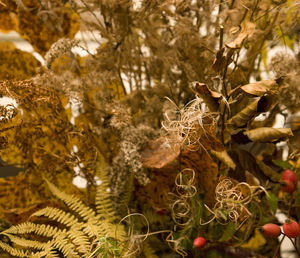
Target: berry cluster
x,y
290,228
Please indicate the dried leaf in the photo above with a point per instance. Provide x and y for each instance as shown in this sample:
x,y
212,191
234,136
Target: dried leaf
x,y
220,61
224,157
267,134
268,171
206,171
159,153
247,30
245,161
253,109
261,87
244,116
209,97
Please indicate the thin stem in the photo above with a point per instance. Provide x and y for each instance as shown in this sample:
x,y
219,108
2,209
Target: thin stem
x,y
294,244
221,36
278,247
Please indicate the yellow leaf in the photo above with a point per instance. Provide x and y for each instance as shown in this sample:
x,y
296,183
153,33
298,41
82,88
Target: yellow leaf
x,y
224,157
256,241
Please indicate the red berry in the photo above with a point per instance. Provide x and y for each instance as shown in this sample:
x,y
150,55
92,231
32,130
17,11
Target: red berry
x,y
288,186
199,242
290,175
291,228
271,230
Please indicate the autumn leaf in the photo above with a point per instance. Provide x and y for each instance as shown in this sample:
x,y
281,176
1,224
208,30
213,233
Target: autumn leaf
x,y
257,106
261,87
245,115
159,153
247,30
209,97
224,157
206,172
268,134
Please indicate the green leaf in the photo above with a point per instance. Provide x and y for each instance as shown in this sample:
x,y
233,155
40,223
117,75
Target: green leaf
x,y
283,164
228,232
272,200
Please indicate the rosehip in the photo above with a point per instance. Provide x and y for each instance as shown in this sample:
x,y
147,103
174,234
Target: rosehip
x,y
288,186
271,230
291,228
290,175
199,242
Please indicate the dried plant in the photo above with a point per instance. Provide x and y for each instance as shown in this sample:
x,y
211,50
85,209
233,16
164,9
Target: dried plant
x,y
76,113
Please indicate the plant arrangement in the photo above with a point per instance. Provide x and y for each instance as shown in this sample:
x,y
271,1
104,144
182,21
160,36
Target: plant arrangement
x,y
172,123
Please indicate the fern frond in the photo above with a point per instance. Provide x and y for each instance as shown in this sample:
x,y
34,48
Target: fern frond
x,y
14,251
29,227
81,241
103,200
73,203
58,215
46,254
28,243
63,244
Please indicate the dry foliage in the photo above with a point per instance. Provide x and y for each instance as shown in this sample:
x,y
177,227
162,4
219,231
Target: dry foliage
x,y
168,105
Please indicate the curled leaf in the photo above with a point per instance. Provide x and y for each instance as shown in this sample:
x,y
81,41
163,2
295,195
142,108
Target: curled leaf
x,y
224,157
209,97
259,105
247,30
268,134
245,115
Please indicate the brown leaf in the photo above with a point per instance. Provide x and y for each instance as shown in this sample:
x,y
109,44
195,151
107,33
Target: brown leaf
x,y
220,61
268,171
160,152
268,134
206,172
245,161
258,105
247,30
245,115
261,87
224,157
209,97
